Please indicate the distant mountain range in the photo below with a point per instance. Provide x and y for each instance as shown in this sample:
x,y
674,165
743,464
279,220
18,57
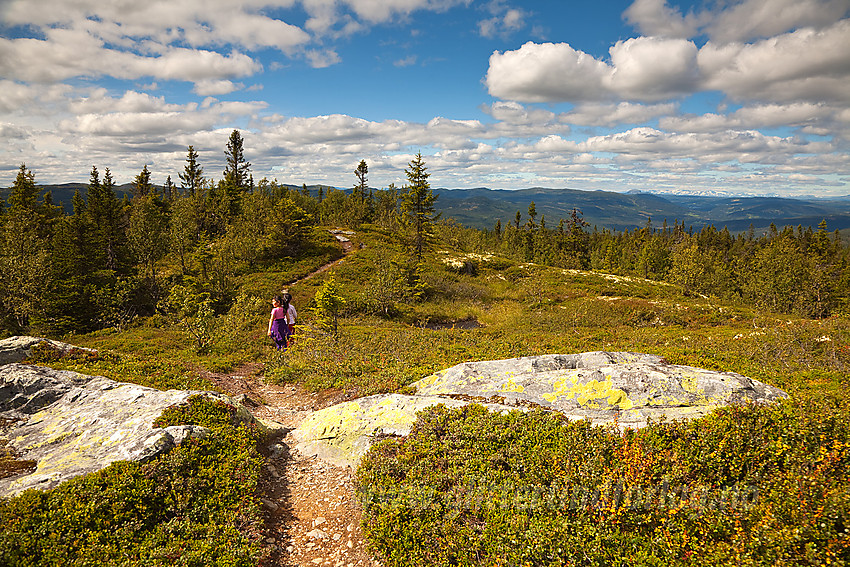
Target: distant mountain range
x,y
481,207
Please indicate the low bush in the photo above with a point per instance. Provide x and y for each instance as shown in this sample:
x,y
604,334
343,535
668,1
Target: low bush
x,y
748,485
195,506
143,369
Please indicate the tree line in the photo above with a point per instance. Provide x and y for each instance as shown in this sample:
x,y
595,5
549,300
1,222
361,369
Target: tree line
x,y
789,270
176,247
182,247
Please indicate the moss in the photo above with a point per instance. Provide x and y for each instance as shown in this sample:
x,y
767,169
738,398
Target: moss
x,y
10,462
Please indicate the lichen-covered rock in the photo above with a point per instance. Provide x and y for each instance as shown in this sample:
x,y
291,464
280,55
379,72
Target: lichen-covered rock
x,y
606,387
73,424
16,349
620,388
341,434
26,389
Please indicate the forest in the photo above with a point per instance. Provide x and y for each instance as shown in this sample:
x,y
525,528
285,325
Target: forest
x,y
172,246
172,285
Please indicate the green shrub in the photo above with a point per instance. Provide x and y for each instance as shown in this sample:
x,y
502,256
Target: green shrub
x,y
748,485
143,369
194,506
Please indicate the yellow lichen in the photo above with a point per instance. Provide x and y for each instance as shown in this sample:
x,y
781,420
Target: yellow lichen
x,y
327,423
587,394
508,386
388,413
431,380
561,386
620,399
512,386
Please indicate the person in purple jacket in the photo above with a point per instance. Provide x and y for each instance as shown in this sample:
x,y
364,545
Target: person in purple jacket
x,y
278,322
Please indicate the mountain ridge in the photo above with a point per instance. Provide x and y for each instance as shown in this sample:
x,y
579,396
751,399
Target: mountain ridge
x,y
481,207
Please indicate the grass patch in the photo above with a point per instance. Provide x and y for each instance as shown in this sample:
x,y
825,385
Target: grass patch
x,y
150,370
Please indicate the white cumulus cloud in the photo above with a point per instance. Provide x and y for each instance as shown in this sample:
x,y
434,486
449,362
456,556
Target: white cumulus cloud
x,y
546,72
736,20
803,65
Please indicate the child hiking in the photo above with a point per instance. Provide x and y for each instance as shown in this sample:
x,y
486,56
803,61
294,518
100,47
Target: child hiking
x,y
279,322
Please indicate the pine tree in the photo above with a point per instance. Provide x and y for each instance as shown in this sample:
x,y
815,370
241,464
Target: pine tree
x,y
142,186
192,178
417,205
236,172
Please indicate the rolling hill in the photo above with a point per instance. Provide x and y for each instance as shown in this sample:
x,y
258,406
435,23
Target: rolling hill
x,y
482,207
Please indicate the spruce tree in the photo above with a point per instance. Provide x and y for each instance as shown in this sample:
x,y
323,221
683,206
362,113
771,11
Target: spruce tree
x,y
192,178
148,234
417,205
362,181
168,189
105,216
23,191
329,303
236,172
142,186
70,303
25,271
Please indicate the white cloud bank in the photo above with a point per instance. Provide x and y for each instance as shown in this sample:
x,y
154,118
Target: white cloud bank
x,y
780,67
806,64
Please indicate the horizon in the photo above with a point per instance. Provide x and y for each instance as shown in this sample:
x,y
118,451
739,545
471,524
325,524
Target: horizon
x,y
706,195
742,98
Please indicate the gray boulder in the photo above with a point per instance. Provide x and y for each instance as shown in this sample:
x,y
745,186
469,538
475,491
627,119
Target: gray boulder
x,y
623,389
72,424
16,349
341,434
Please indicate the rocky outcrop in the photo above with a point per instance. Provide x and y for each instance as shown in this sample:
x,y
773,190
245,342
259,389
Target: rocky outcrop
x,y
16,349
620,388
341,434
73,424
624,388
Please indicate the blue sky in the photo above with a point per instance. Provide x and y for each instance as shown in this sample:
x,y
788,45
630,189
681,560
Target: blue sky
x,y
714,97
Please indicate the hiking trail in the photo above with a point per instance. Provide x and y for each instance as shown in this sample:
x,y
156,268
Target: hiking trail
x,y
313,514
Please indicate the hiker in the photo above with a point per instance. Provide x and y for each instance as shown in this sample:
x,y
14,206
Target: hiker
x,y
291,314
278,322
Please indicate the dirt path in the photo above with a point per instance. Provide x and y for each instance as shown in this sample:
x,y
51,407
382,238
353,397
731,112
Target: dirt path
x,y
313,515
313,511
347,246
